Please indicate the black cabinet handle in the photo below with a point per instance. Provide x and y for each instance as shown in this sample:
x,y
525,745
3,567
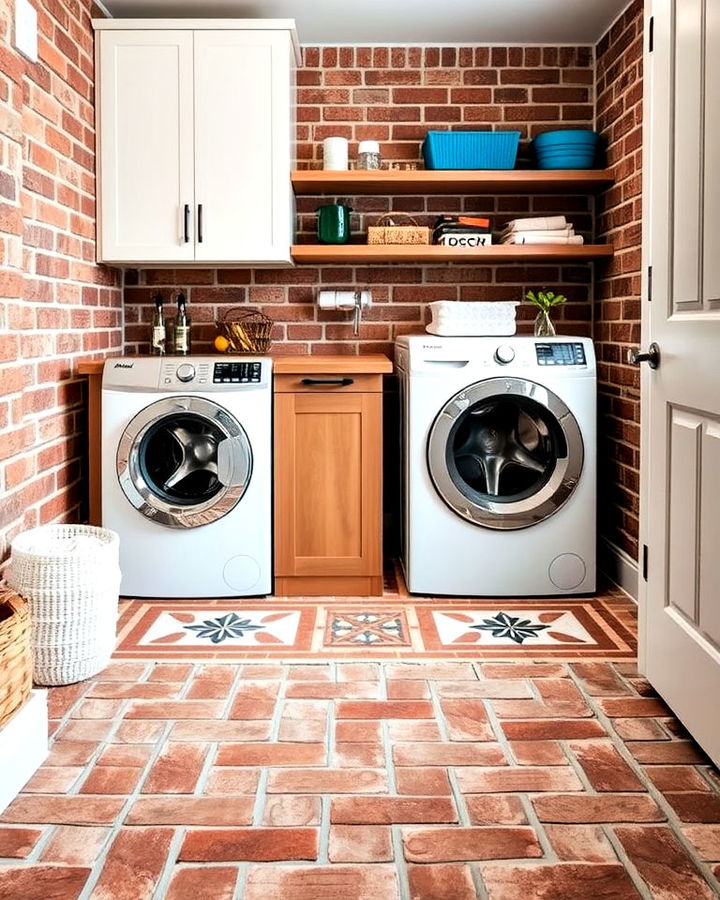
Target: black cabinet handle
x,y
200,234
186,220
342,382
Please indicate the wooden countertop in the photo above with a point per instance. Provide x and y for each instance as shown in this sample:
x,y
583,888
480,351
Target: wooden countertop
x,y
90,366
367,363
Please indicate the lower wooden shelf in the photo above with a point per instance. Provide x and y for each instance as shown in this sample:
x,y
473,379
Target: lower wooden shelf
x,y
308,254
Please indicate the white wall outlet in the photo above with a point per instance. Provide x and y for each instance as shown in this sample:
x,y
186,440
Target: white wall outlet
x,y
26,40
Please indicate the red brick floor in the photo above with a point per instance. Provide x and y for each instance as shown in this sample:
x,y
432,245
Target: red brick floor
x,y
347,779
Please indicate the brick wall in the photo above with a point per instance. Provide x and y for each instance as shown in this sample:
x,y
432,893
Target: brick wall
x,y
617,296
394,95
55,304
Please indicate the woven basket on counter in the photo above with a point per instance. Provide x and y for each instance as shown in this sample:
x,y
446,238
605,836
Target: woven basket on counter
x,y
247,330
15,654
388,231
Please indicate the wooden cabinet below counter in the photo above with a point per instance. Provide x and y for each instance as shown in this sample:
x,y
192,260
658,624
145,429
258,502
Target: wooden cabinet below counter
x,y
328,475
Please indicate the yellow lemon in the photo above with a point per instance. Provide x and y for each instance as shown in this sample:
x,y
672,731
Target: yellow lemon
x,y
221,343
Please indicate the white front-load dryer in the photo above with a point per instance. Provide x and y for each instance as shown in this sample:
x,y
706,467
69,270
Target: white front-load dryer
x,y
499,465
187,474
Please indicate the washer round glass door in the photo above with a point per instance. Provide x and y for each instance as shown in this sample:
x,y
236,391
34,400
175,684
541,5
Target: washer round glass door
x,y
505,453
184,462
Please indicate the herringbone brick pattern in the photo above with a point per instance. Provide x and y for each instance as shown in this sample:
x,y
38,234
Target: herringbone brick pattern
x,y
444,780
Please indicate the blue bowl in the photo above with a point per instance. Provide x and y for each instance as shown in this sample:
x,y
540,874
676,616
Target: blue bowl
x,y
568,161
566,136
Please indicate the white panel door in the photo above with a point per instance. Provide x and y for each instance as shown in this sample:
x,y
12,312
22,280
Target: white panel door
x,y
242,146
145,135
680,505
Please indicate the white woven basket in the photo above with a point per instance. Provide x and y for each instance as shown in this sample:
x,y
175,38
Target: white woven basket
x,y
70,576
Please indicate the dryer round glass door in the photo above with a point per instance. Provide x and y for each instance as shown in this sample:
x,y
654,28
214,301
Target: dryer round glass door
x,y
505,453
184,462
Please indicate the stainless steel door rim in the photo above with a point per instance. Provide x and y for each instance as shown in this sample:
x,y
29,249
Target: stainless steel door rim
x,y
550,476
217,451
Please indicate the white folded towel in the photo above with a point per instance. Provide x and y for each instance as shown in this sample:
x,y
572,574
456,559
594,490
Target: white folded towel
x,y
567,231
541,223
539,238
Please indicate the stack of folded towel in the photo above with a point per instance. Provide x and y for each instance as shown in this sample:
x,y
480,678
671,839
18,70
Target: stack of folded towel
x,y
543,230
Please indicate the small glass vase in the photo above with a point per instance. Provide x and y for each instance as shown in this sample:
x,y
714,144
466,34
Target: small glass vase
x,y
543,324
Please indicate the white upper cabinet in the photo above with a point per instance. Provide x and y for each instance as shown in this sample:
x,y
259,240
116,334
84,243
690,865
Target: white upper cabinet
x,y
195,124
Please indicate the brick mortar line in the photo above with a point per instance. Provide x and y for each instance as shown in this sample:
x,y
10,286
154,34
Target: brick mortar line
x,y
673,821
163,882
208,763
323,857
635,876
116,827
399,862
239,891
578,769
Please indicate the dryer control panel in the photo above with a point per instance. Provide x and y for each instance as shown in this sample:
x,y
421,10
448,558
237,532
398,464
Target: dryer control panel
x,y
236,373
556,354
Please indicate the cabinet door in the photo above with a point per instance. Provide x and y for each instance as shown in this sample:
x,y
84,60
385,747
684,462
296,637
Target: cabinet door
x,y
328,484
242,146
145,143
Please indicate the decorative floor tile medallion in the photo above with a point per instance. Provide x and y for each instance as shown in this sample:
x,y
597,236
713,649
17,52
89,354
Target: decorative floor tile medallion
x,y
528,627
208,627
366,628
223,629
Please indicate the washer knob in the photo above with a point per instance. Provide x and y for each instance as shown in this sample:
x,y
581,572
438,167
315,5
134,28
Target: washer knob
x,y
185,372
504,354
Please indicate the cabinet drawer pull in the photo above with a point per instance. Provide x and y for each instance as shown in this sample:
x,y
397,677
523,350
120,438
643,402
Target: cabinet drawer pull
x,y
186,223
342,382
200,218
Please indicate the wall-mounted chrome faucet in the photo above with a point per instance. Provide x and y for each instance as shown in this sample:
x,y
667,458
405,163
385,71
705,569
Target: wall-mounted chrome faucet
x,y
350,300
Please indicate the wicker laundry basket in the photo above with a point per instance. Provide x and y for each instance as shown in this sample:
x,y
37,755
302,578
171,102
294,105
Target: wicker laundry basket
x,y
15,655
70,576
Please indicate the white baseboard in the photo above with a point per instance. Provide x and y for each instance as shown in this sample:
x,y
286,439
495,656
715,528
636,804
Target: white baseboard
x,y
23,745
619,567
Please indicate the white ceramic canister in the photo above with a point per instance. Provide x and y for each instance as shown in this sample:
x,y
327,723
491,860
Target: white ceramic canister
x,y
335,153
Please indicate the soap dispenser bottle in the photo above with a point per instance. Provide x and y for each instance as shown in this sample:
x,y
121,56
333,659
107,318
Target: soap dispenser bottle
x,y
182,328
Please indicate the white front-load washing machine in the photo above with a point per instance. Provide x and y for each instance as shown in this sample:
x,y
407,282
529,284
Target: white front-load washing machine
x,y
499,465
187,474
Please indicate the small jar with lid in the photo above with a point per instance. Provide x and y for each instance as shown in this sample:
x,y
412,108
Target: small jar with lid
x,y
368,155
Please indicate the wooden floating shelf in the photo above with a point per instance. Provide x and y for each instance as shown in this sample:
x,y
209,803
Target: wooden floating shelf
x,y
414,254
422,181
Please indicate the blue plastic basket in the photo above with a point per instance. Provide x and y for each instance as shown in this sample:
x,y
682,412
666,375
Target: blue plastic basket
x,y
470,149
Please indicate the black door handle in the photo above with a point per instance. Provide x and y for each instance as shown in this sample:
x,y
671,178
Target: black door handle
x,y
652,357
200,233
341,382
186,221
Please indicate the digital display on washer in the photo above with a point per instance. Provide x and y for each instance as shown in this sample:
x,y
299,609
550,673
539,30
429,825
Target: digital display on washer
x,y
236,372
560,354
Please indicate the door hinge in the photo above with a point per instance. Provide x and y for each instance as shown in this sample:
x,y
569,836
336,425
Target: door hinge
x,y
645,562
649,284
651,34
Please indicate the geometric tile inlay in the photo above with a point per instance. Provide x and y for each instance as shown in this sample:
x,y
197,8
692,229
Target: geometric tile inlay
x,y
367,627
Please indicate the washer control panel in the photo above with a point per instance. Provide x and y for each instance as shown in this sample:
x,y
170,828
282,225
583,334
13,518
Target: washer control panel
x,y
556,354
236,373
